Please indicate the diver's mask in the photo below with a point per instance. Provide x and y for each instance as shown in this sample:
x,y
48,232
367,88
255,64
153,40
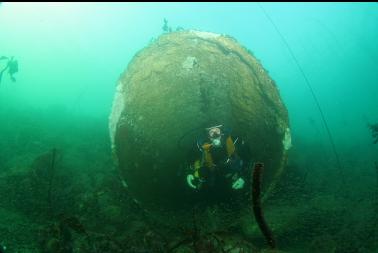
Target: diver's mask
x,y
215,136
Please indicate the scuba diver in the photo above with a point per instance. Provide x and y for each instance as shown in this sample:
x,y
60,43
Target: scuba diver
x,y
218,157
11,66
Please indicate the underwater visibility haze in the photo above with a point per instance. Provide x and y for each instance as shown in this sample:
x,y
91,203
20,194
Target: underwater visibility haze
x,y
188,127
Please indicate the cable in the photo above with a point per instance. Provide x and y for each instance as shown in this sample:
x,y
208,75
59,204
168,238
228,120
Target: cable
x,y
311,90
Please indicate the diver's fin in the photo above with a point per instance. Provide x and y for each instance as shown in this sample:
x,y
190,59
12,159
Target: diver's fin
x,y
1,75
13,79
2,72
3,58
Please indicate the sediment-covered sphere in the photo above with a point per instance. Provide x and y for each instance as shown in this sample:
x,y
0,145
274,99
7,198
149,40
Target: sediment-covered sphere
x,y
175,87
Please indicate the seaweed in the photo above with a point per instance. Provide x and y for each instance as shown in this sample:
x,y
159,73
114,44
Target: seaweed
x,y
169,29
50,180
49,187
165,27
58,237
256,204
196,239
376,176
44,169
374,132
74,223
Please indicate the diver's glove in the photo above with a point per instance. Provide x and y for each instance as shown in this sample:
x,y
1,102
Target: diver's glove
x,y
194,182
190,180
2,248
238,184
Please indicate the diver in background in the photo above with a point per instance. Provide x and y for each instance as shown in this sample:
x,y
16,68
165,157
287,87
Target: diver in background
x,y
11,66
218,157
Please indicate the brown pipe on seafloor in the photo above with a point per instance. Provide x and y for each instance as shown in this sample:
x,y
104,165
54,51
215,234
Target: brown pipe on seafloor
x,y
256,204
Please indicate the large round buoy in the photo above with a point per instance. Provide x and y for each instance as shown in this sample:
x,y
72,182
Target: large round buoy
x,y
172,90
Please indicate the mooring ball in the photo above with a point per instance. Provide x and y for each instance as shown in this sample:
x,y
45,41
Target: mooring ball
x,y
175,87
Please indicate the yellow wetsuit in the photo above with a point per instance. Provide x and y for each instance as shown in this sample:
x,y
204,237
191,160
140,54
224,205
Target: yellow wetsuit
x,y
207,159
